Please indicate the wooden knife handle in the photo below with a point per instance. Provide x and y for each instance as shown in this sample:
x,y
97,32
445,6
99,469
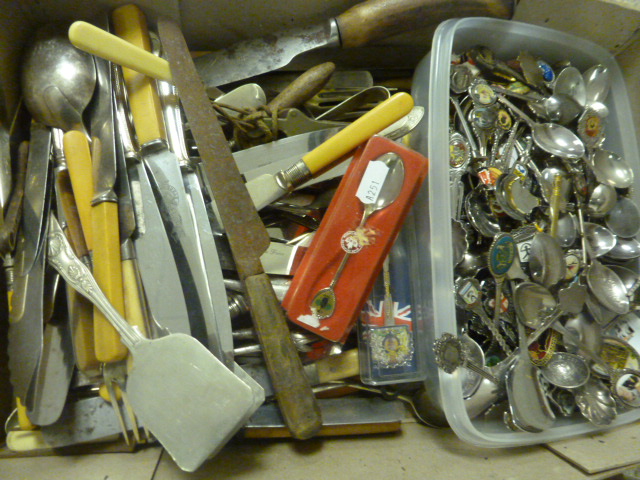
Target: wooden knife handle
x,y
107,270
356,133
293,391
76,150
130,24
377,19
304,87
105,45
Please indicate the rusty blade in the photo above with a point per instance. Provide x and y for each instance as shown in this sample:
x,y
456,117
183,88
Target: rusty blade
x,y
248,239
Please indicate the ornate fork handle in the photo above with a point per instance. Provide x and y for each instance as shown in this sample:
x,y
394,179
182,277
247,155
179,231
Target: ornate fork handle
x,y
77,275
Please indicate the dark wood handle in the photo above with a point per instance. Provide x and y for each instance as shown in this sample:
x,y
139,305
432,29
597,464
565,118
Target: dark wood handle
x,y
304,87
376,19
293,391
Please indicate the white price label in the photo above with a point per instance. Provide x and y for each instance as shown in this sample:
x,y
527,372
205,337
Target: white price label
x,y
372,181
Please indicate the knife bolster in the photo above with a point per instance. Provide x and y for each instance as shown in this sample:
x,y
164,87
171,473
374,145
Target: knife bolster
x,y
108,196
291,177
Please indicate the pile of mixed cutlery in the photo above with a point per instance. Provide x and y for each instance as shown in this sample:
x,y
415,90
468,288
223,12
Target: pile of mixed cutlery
x,y
147,278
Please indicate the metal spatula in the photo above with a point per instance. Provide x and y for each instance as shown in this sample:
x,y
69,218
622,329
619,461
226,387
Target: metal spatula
x,y
183,394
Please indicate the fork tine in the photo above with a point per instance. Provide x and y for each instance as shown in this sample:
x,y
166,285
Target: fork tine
x,y
113,399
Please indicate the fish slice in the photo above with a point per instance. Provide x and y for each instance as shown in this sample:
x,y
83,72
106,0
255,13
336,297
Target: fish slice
x,y
166,372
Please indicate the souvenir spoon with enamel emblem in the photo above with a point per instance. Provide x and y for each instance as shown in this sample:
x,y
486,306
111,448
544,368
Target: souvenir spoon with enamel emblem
x,y
323,303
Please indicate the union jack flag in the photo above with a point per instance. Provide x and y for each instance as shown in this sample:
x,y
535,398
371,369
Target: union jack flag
x,y
401,316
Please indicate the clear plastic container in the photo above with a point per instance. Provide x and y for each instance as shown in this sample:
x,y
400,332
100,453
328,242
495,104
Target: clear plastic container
x,y
431,219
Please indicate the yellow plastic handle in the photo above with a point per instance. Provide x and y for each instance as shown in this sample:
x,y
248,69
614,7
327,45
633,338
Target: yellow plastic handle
x,y
107,270
130,24
76,150
356,133
103,44
337,367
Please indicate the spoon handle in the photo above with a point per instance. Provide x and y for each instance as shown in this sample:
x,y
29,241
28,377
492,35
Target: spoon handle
x,y
493,328
519,112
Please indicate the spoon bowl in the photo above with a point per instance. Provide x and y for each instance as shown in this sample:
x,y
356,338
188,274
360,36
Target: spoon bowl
x,y
566,370
597,83
603,198
58,80
570,82
600,239
610,168
624,218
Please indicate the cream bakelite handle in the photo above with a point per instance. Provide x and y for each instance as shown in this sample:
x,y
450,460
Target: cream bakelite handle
x,y
103,44
358,132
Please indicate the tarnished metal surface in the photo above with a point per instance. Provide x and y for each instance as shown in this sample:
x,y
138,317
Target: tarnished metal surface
x,y
261,55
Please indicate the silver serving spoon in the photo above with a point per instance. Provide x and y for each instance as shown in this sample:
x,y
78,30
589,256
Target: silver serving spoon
x,y
58,80
551,137
586,330
567,231
323,303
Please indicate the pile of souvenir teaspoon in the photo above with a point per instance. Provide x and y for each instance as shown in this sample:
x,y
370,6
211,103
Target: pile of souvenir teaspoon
x,y
544,232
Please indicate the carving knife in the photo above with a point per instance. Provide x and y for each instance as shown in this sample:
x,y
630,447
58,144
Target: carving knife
x,y
358,26
267,188
160,280
165,177
248,239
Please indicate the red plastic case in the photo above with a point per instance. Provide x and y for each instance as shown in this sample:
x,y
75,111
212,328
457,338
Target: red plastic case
x,y
339,232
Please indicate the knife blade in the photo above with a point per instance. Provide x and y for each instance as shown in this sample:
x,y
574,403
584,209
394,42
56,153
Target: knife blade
x,y
266,189
107,266
160,280
248,239
166,179
358,26
26,315
219,324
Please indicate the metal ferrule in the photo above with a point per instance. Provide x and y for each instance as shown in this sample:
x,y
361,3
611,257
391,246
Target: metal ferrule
x,y
127,251
108,196
153,146
295,175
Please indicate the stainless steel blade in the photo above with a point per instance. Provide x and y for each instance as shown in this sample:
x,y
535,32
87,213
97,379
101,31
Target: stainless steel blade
x,y
158,269
36,194
160,279
218,325
103,151
168,187
262,55
25,321
26,316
